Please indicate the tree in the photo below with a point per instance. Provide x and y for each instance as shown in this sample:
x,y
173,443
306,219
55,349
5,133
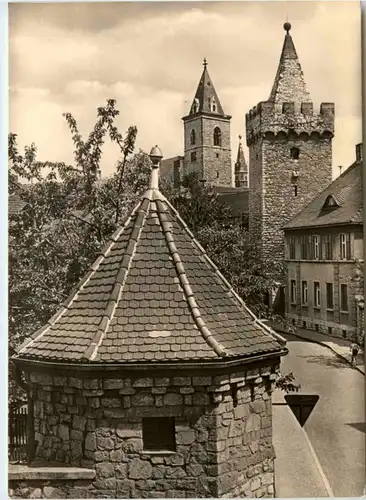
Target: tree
x,y
68,215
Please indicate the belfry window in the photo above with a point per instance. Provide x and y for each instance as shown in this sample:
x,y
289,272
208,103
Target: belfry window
x,y
193,137
217,136
295,153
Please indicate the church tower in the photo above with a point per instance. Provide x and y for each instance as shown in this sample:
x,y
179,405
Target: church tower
x,y
207,148
290,153
241,168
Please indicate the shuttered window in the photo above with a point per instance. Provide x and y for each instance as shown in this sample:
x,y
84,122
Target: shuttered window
x,y
158,434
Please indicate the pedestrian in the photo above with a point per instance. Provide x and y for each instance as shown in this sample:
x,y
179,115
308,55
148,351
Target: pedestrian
x,y
354,351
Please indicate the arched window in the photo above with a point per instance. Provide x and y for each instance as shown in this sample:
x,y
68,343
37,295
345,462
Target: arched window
x,y
217,136
193,137
295,153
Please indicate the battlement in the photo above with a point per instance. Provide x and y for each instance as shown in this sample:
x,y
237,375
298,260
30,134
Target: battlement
x,y
270,117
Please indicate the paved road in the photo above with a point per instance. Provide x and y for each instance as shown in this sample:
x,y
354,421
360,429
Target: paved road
x,y
336,427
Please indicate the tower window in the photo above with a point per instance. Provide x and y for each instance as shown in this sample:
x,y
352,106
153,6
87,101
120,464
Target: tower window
x,y
158,434
217,155
295,190
217,136
217,174
193,137
193,156
295,153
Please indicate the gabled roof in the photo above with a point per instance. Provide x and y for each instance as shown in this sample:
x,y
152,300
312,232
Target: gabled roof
x,y
206,99
346,191
153,296
289,84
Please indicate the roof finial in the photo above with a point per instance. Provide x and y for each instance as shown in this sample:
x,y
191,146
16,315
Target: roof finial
x,y
287,26
205,63
155,157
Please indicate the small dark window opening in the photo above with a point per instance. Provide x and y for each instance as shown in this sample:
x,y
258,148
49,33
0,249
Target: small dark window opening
x,y
294,322
234,394
316,327
217,136
344,334
295,190
217,155
304,324
252,396
295,153
193,137
213,107
217,174
330,331
158,434
193,156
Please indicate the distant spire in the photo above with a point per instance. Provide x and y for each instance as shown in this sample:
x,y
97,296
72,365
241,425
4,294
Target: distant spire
x,y
241,167
289,84
206,99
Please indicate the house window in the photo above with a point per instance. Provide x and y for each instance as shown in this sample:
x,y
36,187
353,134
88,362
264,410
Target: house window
x,y
344,298
304,293
316,294
193,137
316,245
158,434
217,136
328,247
330,330
344,334
295,190
295,153
291,247
304,247
345,240
330,296
293,292
193,156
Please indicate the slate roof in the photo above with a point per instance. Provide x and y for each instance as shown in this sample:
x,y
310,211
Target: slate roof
x,y
152,295
236,198
346,190
289,84
204,93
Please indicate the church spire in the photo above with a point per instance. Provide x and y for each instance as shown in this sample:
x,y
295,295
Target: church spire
x,y
289,84
206,99
241,167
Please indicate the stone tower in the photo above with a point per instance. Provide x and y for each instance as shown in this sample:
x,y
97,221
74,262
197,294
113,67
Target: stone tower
x,y
241,167
207,148
290,153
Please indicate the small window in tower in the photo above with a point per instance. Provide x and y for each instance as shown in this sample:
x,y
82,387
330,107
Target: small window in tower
x,y
214,108
193,137
295,153
217,174
217,136
217,155
295,190
158,434
193,156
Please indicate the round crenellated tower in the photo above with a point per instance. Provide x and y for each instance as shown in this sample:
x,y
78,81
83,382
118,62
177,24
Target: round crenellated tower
x,y
290,153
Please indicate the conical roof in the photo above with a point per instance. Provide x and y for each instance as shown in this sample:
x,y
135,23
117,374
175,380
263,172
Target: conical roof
x,y
153,295
240,164
206,99
289,84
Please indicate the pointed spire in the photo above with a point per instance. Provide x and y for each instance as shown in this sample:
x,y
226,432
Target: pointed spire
x,y
206,99
289,84
241,167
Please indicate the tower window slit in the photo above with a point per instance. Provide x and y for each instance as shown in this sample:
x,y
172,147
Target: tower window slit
x,y
295,190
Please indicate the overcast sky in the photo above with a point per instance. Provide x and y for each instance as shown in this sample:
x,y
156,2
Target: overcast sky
x,y
148,56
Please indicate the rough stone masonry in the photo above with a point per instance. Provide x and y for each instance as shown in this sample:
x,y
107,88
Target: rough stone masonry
x,y
223,432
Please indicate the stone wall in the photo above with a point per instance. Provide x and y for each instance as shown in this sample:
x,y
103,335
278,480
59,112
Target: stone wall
x,y
223,432
210,159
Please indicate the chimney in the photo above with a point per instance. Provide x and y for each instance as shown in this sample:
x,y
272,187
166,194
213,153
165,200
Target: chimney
x,y
359,154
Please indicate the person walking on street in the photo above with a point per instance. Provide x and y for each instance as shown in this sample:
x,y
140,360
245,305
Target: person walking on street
x,y
354,350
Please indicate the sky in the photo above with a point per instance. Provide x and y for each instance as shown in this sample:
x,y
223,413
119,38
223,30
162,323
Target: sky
x,y
148,56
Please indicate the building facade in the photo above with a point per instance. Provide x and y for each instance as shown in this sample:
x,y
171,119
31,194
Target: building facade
x,y
324,250
290,153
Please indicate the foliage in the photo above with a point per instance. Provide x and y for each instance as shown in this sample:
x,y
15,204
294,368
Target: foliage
x,y
287,383
68,215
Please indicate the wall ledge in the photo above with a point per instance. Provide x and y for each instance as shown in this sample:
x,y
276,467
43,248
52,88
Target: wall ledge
x,y
48,472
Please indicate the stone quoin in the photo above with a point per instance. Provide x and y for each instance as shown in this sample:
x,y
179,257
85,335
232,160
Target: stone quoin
x,y
154,373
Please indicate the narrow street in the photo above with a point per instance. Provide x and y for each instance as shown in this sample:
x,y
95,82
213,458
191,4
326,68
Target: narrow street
x,y
336,427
